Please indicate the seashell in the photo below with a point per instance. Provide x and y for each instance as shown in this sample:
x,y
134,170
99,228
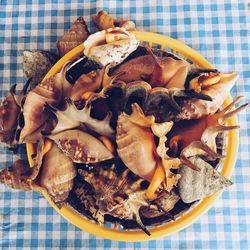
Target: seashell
x,y
36,64
9,111
96,80
87,83
204,129
75,36
17,176
164,70
161,105
196,185
72,117
136,147
203,140
82,199
161,206
142,51
50,91
115,94
103,21
9,115
136,92
42,147
194,109
196,76
168,72
136,69
117,196
81,147
57,175
110,46
80,66
122,195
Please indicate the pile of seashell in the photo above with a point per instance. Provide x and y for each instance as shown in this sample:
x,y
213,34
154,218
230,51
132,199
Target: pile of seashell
x,y
124,134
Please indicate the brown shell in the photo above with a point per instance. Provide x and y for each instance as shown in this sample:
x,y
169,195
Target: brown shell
x,y
17,176
72,117
76,35
136,69
50,91
9,111
194,109
136,147
120,195
158,71
57,175
103,21
81,147
91,81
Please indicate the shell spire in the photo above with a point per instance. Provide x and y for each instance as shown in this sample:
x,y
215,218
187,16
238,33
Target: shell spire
x,y
52,91
75,36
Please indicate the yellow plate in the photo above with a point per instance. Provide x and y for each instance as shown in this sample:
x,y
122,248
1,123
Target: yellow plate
x,y
188,218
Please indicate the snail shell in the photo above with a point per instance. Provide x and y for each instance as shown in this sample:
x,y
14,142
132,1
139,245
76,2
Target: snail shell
x,y
77,34
49,91
81,147
110,46
57,175
136,147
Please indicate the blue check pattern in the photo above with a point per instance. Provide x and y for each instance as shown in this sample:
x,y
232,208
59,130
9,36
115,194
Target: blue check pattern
x,y
219,30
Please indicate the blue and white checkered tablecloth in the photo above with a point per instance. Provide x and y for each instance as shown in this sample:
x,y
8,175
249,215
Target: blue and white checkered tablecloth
x,y
219,30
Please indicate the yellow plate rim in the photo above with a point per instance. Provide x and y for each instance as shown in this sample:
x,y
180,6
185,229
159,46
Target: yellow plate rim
x,y
194,213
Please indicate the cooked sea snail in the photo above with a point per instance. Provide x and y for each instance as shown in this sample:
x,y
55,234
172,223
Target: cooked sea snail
x,y
123,133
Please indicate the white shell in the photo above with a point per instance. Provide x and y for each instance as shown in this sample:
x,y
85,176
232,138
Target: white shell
x,y
110,46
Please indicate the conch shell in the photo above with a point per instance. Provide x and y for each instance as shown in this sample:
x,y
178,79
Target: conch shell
x,y
57,175
110,46
103,21
204,129
17,176
194,109
77,34
49,91
136,146
206,144
72,117
9,111
166,71
81,147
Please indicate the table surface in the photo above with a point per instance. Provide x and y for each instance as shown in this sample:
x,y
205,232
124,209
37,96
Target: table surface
x,y
219,31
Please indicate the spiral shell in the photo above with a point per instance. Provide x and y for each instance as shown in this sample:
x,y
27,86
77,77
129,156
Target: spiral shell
x,y
9,111
194,109
81,147
77,34
57,175
110,46
136,147
49,91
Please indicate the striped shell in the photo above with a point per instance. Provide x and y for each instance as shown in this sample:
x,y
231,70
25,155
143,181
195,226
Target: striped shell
x,y
81,147
120,195
136,147
57,175
49,91
76,35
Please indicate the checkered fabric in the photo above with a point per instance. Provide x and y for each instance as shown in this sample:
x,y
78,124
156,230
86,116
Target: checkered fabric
x,y
219,30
